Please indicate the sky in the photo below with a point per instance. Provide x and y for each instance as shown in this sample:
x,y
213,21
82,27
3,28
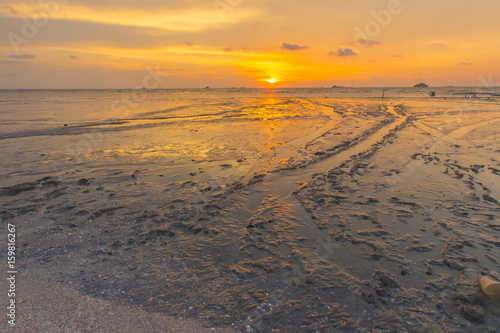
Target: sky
x,y
73,44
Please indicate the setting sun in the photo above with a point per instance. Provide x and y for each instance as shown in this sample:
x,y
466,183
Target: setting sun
x,y
272,80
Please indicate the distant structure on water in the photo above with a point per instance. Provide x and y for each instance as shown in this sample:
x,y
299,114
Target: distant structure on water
x,y
421,85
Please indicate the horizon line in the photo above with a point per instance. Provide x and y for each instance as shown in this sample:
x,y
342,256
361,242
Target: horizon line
x,y
267,88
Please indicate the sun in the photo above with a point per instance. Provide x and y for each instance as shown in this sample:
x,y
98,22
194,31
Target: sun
x,y
271,80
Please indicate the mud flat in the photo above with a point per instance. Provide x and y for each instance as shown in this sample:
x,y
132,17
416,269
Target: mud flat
x,y
271,215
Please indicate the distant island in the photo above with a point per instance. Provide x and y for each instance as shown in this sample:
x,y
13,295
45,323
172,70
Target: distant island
x,y
334,86
421,85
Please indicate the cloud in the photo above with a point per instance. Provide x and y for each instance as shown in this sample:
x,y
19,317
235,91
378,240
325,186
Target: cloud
x,y
21,56
366,42
11,10
292,47
228,49
463,63
12,62
188,43
178,16
74,57
398,56
439,45
342,53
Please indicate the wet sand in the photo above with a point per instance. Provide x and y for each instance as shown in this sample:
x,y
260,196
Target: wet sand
x,y
270,215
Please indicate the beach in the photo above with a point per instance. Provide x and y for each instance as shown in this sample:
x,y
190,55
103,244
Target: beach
x,y
255,210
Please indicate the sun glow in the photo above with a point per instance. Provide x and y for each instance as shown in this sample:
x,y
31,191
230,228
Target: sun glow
x,y
271,80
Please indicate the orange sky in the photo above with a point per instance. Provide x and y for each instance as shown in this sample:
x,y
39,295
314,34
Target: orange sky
x,y
233,43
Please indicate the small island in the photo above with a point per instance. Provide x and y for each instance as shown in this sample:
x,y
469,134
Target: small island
x,y
421,85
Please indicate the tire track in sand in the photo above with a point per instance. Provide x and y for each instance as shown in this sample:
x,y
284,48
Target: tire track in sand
x,y
283,183
281,235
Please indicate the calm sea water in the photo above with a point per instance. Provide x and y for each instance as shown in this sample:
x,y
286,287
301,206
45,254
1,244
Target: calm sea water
x,y
18,95
27,112
31,108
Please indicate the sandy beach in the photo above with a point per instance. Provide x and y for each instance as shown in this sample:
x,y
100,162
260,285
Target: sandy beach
x,y
253,210
45,305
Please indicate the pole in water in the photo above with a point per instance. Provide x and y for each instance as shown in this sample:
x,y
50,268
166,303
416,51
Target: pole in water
x,y
383,92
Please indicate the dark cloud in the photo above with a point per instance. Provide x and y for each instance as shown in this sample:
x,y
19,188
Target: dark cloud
x,y
342,53
12,62
366,42
9,8
188,43
228,49
463,63
74,57
21,56
292,47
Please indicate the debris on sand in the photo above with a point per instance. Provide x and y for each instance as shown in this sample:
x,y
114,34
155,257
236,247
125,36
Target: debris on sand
x,y
83,181
489,286
474,313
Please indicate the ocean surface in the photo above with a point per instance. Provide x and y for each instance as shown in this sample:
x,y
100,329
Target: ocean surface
x,y
265,210
36,109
